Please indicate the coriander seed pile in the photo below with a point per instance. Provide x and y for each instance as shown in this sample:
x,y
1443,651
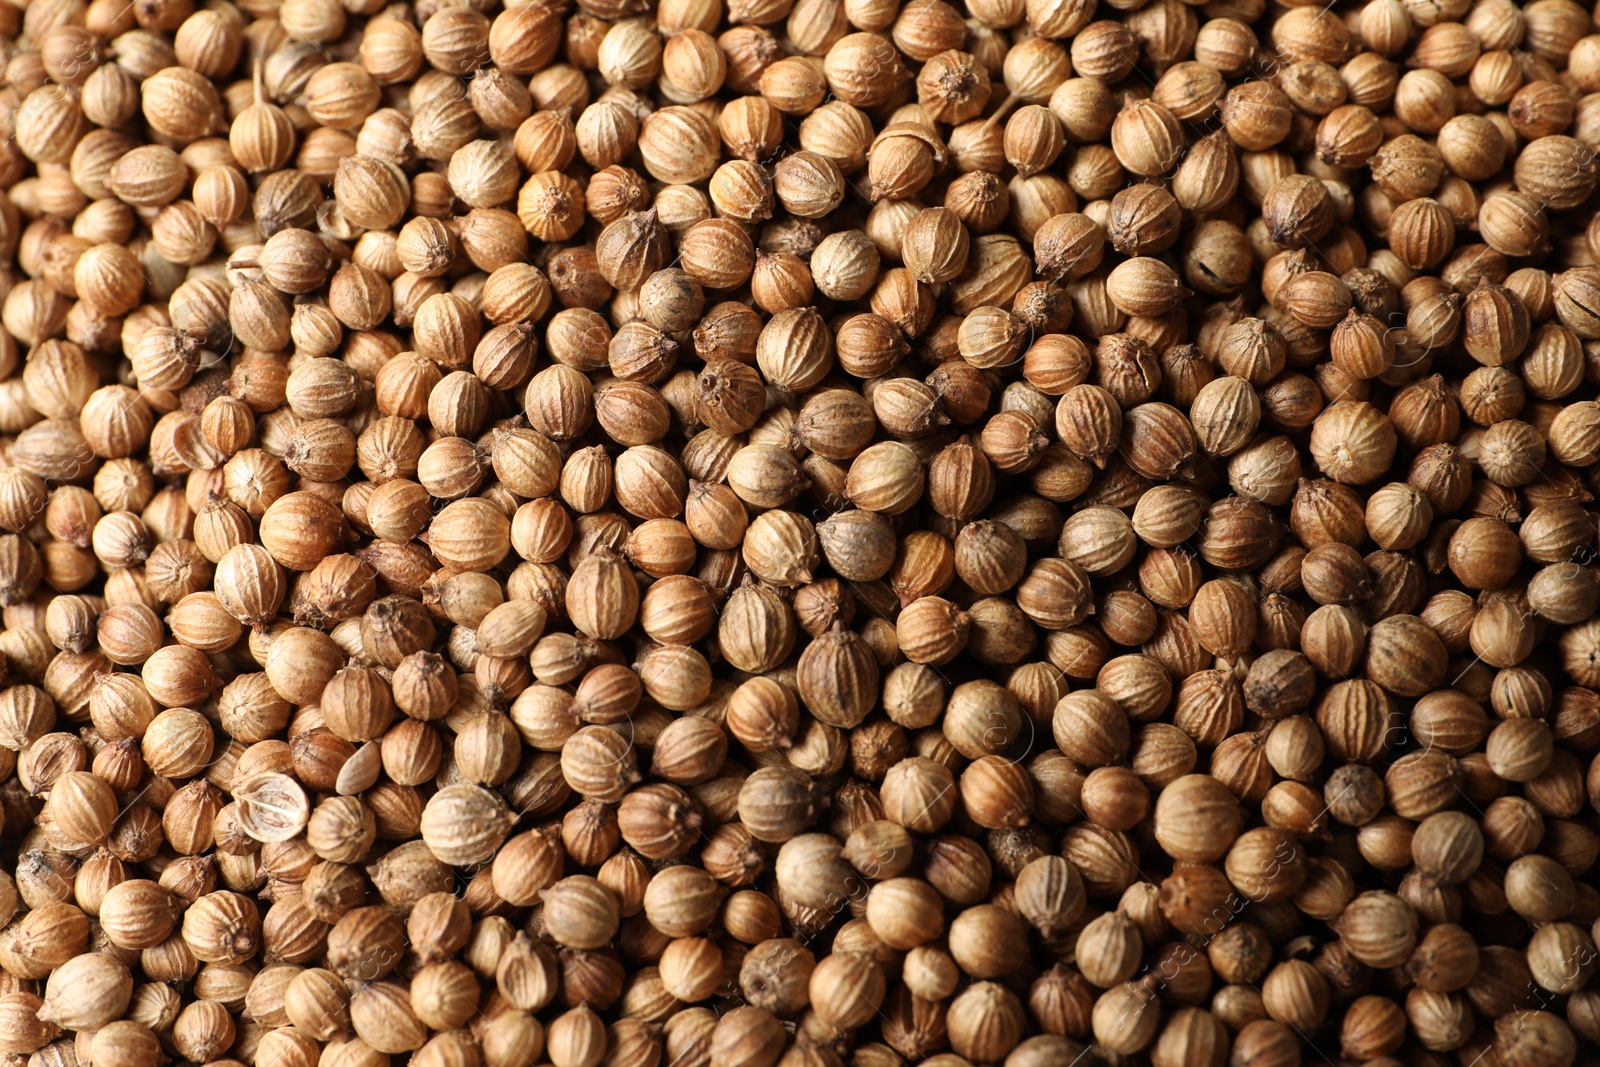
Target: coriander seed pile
x,y
799,533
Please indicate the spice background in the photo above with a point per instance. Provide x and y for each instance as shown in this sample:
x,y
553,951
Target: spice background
x,y
799,533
